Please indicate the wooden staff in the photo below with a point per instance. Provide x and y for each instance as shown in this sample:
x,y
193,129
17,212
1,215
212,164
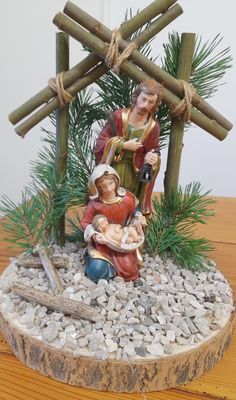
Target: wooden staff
x,y
71,307
177,126
170,82
93,75
97,45
127,28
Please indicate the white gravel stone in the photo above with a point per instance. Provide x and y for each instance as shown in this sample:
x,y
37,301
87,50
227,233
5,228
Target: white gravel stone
x,y
111,345
170,335
129,349
161,319
156,349
83,342
50,332
101,354
70,328
168,348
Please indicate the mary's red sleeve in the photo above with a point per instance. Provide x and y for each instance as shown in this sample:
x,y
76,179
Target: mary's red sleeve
x,y
89,213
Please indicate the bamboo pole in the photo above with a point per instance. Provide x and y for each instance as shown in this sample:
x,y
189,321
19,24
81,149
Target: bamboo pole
x,y
62,127
170,82
69,307
97,28
97,45
96,73
177,126
127,28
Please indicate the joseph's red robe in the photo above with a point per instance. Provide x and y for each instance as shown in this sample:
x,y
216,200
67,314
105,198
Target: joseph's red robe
x,y
108,144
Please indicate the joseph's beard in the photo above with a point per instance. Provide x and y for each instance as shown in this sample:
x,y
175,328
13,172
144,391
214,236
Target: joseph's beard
x,y
142,111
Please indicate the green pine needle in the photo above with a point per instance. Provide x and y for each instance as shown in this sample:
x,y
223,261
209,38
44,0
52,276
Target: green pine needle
x,y
209,64
171,226
74,232
23,222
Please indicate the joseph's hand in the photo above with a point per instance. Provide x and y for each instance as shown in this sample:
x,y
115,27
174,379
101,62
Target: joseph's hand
x,y
132,145
151,158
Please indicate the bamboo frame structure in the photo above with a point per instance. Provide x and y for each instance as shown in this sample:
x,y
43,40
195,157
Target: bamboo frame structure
x,y
97,45
169,81
210,120
93,75
78,71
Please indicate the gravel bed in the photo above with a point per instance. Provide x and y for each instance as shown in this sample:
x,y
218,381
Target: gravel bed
x,y
171,311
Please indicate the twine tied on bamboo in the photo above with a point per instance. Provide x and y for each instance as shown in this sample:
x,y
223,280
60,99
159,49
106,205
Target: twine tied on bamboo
x,y
113,58
183,109
57,85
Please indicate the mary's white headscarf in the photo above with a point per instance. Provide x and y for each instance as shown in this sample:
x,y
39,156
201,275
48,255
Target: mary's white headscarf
x,y
98,172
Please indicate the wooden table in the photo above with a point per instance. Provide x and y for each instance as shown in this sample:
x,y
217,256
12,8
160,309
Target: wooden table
x,y
18,382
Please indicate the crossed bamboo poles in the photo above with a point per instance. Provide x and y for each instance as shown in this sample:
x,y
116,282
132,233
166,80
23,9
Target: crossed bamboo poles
x,y
95,36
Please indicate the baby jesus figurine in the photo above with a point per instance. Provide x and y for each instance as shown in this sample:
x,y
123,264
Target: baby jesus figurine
x,y
115,233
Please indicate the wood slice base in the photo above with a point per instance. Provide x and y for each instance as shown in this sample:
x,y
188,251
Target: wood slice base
x,y
137,375
118,376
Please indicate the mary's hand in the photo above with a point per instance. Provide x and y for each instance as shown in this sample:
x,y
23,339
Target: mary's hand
x,y
141,219
100,238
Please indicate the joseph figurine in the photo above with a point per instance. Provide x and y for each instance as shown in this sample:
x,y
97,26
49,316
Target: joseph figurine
x,y
130,139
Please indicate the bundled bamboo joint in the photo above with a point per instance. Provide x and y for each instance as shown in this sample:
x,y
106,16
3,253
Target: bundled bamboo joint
x,y
57,84
183,109
113,58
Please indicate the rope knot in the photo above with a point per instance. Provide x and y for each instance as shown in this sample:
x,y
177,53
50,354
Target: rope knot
x,y
183,109
57,85
113,58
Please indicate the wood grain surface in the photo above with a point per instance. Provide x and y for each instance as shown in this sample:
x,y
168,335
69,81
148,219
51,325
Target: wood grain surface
x,y
17,382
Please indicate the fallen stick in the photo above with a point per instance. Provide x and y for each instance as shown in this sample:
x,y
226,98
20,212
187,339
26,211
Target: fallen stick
x,y
51,272
66,306
35,262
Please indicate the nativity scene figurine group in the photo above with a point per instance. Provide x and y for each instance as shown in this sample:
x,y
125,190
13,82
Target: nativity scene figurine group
x,y
120,187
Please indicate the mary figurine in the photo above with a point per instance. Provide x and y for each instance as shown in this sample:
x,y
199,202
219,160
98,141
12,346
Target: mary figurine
x,y
119,207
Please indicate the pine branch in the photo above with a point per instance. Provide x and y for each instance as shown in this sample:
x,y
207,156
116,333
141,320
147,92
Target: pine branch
x,y
24,223
74,231
171,227
209,64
